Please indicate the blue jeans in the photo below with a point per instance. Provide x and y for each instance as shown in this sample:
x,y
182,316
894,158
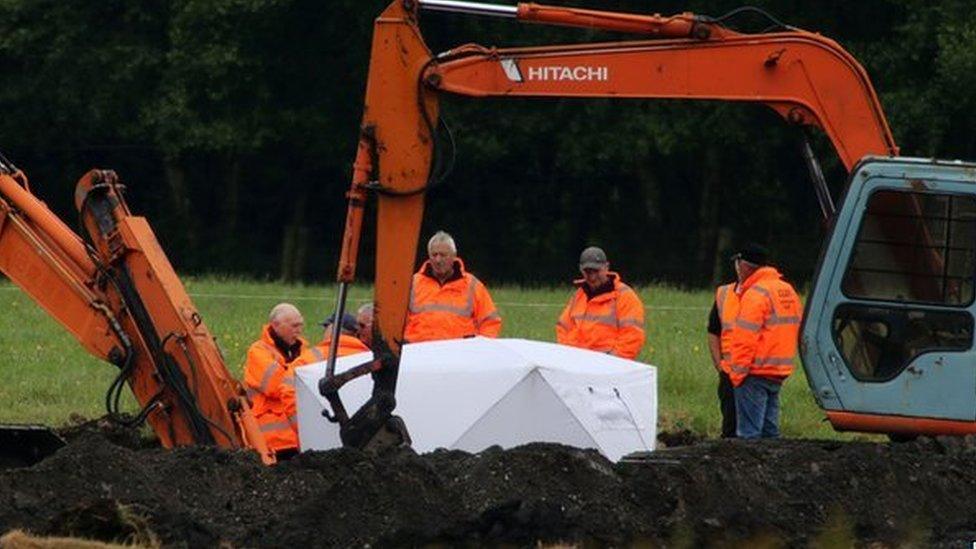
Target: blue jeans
x,y
757,408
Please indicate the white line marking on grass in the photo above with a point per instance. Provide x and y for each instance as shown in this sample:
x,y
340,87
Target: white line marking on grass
x,y
364,300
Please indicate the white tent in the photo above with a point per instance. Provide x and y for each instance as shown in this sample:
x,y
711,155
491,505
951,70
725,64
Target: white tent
x,y
470,394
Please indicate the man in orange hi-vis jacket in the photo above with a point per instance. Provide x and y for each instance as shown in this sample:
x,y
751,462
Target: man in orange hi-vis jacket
x,y
349,343
446,301
604,314
763,343
269,377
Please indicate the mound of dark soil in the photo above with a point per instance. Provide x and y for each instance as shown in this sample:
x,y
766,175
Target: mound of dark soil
x,y
119,435
710,493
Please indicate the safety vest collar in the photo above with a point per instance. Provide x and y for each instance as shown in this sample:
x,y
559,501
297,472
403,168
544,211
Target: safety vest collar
x,y
760,275
267,341
460,273
465,311
608,319
618,288
266,334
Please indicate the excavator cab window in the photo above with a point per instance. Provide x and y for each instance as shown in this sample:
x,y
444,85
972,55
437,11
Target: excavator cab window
x,y
915,247
912,247
877,343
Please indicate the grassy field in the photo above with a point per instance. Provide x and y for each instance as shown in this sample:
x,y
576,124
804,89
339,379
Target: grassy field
x,y
45,376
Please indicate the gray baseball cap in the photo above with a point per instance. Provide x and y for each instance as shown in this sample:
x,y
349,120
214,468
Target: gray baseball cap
x,y
593,258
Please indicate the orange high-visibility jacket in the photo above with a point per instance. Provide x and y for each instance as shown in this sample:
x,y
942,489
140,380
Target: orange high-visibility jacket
x,y
612,322
348,345
461,307
270,382
764,338
727,303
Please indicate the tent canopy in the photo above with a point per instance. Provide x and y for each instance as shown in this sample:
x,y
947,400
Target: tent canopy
x,y
470,394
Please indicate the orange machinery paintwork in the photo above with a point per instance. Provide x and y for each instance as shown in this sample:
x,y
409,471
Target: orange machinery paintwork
x,y
874,423
789,72
70,280
684,24
806,78
395,144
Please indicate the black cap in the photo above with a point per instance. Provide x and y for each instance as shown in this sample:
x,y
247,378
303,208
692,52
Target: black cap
x,y
349,323
753,253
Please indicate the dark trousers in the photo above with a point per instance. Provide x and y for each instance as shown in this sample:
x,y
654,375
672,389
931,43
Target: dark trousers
x,y
726,403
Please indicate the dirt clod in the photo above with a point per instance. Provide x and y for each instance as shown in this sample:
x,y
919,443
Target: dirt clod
x,y
684,437
105,520
711,492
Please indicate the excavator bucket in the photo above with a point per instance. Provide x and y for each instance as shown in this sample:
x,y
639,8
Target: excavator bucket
x,y
25,445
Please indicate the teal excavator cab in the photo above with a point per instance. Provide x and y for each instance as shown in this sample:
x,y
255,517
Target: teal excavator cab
x,y
887,338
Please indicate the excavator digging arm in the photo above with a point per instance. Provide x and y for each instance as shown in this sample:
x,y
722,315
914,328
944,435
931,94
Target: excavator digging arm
x,y
120,298
806,78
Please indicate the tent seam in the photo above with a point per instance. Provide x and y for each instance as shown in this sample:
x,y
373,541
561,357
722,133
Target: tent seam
x,y
536,367
563,402
494,404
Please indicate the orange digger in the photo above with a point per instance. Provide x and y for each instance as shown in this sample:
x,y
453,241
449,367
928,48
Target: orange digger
x,y
889,326
116,292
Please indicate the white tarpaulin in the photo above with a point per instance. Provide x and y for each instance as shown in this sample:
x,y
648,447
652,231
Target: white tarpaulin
x,y
469,394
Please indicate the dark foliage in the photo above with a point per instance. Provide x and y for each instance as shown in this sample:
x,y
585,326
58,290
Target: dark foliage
x,y
234,123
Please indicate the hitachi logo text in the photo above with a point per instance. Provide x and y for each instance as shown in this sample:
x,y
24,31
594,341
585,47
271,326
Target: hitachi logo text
x,y
580,73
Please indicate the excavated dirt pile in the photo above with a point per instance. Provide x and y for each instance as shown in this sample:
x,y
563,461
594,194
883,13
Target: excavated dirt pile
x,y
110,486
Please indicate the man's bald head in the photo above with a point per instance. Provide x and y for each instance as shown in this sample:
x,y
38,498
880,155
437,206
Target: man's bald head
x,y
287,322
364,320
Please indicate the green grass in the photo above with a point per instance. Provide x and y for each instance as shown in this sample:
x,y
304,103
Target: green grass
x,y
45,376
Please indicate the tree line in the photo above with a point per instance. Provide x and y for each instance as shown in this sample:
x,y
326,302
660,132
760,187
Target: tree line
x,y
234,125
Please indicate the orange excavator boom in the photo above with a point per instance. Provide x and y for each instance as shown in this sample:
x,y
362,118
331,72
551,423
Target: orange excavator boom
x,y
118,295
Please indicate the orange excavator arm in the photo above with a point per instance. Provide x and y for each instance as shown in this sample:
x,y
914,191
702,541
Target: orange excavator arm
x,y
120,298
806,78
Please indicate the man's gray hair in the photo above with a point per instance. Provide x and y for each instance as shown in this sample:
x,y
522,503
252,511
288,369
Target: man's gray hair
x,y
281,310
442,236
364,309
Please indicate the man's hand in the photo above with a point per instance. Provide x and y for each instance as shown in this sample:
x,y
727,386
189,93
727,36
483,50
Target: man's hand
x,y
715,349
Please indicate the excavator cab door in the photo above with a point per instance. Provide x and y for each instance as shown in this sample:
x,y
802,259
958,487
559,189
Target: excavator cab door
x,y
887,339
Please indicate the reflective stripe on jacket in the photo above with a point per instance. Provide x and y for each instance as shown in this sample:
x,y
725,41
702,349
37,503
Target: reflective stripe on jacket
x,y
764,338
348,345
612,322
270,382
727,303
459,308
